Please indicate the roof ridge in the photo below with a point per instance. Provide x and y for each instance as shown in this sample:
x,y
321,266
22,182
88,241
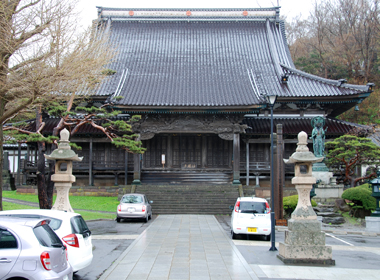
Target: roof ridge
x,y
338,83
190,14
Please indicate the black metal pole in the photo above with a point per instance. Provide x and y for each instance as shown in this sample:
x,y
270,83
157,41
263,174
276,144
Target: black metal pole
x,y
272,217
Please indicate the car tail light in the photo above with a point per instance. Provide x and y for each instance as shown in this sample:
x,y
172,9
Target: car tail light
x,y
268,208
119,208
143,208
45,260
237,206
71,240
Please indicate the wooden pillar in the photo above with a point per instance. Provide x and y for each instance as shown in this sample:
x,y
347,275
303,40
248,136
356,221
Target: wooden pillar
x,y
274,169
204,151
247,162
169,152
280,175
19,164
136,168
126,168
90,160
236,165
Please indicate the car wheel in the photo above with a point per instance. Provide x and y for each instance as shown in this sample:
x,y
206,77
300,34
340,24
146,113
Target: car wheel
x,y
267,237
118,220
146,218
233,235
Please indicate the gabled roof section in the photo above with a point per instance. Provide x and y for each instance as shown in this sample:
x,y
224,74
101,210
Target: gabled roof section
x,y
293,125
207,59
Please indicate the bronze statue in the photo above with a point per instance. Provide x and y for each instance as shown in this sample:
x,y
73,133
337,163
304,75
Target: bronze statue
x,y
318,136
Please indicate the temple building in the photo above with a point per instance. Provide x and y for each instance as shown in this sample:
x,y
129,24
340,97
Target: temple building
x,y
200,79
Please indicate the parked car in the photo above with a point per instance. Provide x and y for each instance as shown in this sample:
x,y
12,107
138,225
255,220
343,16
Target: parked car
x,y
251,215
30,249
134,205
70,227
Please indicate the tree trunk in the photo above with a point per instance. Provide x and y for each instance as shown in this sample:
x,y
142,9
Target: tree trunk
x,y
41,185
1,167
1,155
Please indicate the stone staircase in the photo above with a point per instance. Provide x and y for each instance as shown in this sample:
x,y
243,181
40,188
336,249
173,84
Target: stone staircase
x,y
329,214
190,199
189,177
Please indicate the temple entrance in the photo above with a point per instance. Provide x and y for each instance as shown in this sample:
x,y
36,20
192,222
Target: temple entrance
x,y
188,152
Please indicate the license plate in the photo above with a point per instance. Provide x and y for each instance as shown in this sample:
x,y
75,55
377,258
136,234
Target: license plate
x,y
252,229
86,242
130,209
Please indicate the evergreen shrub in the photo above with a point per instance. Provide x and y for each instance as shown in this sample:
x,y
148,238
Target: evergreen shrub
x,y
361,197
290,204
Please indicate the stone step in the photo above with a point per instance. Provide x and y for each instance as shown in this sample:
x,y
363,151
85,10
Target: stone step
x,y
190,199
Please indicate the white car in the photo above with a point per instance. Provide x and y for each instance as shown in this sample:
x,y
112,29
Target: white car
x,y
134,206
30,249
251,215
70,227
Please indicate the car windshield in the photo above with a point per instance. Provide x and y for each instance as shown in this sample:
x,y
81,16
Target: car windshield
x,y
252,207
132,199
78,225
47,237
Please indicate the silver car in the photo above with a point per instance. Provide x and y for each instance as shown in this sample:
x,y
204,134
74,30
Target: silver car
x,y
134,205
69,226
30,249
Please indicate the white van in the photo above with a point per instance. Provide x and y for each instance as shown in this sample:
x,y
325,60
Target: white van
x,y
251,215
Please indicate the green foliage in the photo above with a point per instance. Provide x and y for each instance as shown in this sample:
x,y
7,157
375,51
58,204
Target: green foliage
x,y
75,146
108,72
347,152
290,203
56,109
15,136
35,137
128,143
368,113
119,125
361,197
96,203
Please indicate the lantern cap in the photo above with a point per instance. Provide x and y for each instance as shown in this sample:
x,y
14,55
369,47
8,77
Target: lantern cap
x,y
302,153
64,151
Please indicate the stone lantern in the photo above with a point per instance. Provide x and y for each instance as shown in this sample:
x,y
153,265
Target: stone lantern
x,y
372,223
304,241
63,177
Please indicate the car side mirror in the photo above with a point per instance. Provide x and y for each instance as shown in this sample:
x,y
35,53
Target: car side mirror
x,y
231,207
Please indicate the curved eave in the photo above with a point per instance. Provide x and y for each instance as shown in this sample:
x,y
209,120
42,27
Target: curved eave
x,y
293,71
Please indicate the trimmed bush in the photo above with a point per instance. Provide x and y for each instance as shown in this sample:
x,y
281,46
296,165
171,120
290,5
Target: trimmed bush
x,y
290,204
362,201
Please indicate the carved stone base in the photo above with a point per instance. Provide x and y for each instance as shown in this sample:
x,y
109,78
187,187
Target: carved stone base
x,y
305,244
306,261
62,201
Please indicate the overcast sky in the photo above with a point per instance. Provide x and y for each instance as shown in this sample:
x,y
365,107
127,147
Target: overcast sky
x,y
289,8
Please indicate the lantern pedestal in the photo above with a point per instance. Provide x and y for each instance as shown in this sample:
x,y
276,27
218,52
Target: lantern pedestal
x,y
63,178
372,224
304,241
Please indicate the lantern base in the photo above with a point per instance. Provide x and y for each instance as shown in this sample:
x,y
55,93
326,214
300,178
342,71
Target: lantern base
x,y
372,223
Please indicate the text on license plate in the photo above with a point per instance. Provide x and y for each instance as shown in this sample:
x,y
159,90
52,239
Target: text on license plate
x,y
252,229
131,209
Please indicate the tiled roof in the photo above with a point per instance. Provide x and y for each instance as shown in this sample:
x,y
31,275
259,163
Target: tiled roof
x,y
209,58
294,125
258,126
